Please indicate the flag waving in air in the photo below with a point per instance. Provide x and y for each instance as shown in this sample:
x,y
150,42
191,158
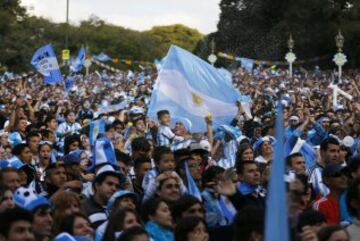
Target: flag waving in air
x,y
44,60
77,63
188,87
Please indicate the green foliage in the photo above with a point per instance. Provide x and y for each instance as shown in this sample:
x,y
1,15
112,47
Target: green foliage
x,y
260,28
21,35
176,34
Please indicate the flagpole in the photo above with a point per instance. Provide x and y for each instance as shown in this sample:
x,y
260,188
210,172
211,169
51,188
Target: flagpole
x,y
67,25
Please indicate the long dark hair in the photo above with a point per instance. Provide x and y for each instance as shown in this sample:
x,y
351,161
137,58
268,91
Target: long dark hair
x,y
67,224
187,225
116,222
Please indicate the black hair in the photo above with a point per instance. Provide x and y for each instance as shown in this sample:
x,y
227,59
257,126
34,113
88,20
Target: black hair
x,y
117,122
354,164
242,148
9,216
19,148
182,204
46,133
67,223
150,207
160,151
185,226
161,113
108,127
32,134
140,144
116,221
209,175
102,176
68,112
265,130
248,220
131,233
325,233
123,157
325,143
310,217
69,140
291,156
241,166
353,195
49,118
140,160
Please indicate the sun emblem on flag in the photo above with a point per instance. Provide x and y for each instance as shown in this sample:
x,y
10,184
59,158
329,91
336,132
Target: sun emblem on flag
x,y
196,99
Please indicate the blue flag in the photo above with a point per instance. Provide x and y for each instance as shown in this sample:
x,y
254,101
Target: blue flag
x,y
95,128
44,60
77,63
276,218
188,87
102,57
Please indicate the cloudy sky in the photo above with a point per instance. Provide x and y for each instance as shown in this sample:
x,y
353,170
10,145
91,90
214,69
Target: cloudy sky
x,y
134,14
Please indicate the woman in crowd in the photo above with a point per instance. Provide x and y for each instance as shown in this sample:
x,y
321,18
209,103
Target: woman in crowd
x,y
64,203
77,224
157,215
120,221
191,229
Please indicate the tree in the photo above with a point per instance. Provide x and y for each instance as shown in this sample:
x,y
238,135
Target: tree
x,y
260,28
178,34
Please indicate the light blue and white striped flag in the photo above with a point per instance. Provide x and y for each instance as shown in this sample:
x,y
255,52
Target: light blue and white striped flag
x,y
102,57
77,63
44,60
95,128
191,185
189,87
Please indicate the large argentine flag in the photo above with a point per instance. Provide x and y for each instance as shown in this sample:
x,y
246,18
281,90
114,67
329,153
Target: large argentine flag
x,y
190,88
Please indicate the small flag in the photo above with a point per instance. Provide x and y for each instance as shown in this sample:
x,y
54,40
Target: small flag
x,y
192,187
77,63
102,57
96,127
44,60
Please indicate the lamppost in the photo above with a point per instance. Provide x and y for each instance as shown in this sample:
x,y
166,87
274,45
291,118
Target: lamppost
x,y
339,59
290,56
67,25
212,57
66,52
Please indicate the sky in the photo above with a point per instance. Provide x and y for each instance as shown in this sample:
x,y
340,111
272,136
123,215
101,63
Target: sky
x,y
135,14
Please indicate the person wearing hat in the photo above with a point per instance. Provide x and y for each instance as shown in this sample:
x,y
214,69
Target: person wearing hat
x,y
335,179
320,130
105,184
293,124
39,206
122,199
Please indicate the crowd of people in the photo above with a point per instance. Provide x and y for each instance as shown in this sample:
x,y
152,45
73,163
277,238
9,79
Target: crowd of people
x,y
86,163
